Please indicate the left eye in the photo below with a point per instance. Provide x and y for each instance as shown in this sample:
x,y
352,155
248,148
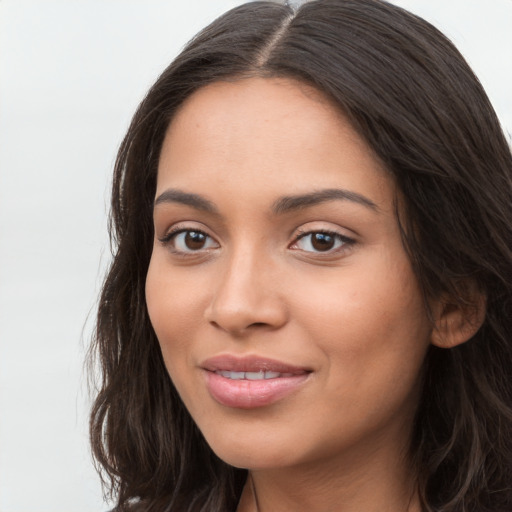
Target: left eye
x,y
321,242
190,241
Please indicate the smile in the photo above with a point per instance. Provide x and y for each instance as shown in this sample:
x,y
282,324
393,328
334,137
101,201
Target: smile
x,y
261,375
251,382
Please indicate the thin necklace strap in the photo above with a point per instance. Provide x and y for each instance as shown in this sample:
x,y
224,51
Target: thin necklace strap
x,y
255,497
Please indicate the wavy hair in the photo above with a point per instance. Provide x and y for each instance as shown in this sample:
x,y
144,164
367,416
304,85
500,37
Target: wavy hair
x,y
412,97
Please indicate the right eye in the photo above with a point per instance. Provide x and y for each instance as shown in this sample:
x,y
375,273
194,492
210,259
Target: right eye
x,y
187,241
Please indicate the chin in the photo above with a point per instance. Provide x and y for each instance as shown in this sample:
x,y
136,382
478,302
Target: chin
x,y
253,453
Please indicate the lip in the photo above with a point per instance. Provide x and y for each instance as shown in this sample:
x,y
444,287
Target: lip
x,y
251,363
250,394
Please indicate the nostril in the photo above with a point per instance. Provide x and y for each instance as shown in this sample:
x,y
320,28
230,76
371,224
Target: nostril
x,y
239,328
258,324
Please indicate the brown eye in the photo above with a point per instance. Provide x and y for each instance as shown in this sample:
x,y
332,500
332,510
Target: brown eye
x,y
195,240
322,241
189,240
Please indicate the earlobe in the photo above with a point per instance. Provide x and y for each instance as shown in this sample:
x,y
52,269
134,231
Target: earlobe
x,y
457,321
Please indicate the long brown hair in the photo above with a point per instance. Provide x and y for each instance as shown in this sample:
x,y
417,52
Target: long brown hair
x,y
415,101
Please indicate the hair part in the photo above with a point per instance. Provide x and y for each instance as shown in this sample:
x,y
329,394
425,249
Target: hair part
x,y
414,100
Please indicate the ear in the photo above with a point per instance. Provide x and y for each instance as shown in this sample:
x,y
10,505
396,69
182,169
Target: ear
x,y
458,319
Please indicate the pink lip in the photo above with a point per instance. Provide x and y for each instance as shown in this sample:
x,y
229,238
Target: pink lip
x,y
249,394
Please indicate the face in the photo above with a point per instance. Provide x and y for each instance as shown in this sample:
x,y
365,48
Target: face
x,y
286,308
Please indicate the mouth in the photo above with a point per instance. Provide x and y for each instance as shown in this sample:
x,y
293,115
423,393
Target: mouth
x,y
260,375
253,367
251,382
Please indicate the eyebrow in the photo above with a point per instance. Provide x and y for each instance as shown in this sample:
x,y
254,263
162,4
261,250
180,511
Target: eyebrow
x,y
298,202
194,200
284,204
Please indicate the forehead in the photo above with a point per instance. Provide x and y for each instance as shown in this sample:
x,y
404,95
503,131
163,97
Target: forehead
x,y
274,134
216,110
286,94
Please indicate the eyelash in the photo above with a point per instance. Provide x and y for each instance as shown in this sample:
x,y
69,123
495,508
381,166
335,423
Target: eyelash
x,y
346,242
171,236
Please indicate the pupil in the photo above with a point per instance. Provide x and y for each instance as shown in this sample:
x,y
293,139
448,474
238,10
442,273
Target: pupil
x,y
322,241
194,240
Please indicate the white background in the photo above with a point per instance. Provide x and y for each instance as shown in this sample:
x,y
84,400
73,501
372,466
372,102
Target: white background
x,y
71,75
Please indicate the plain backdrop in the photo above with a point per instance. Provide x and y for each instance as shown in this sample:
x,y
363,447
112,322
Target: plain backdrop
x,y
71,75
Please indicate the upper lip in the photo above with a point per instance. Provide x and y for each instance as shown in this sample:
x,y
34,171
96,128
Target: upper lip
x,y
253,363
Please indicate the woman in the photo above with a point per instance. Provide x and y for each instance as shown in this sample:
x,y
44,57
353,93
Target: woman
x,y
310,302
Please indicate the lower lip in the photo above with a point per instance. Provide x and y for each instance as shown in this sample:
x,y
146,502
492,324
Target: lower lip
x,y
250,394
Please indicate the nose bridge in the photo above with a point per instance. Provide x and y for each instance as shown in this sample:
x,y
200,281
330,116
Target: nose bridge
x,y
245,294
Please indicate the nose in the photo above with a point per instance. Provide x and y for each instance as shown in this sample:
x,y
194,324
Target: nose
x,y
247,296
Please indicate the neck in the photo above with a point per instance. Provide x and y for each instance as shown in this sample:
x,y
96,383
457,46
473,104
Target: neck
x,y
378,484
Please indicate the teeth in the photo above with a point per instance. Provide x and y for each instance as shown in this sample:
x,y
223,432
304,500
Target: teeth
x,y
233,375
261,375
255,375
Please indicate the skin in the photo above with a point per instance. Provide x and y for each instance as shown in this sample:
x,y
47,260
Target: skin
x,y
256,285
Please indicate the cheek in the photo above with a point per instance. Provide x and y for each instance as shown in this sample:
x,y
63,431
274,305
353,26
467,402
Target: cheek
x,y
175,311
371,325
174,306
373,341
363,300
